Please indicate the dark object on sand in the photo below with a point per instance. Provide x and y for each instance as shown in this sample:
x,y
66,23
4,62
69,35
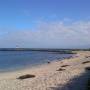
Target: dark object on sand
x,y
26,76
60,69
48,62
64,65
87,68
85,62
87,56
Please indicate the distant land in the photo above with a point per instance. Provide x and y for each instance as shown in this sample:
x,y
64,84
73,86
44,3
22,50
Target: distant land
x,y
33,49
68,51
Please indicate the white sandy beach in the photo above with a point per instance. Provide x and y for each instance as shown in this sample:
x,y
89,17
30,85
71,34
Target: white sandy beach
x,y
47,76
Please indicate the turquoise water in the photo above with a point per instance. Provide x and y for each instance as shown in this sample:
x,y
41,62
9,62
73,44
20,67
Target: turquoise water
x,y
14,60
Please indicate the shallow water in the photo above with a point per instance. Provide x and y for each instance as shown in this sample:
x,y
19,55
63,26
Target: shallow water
x,y
14,60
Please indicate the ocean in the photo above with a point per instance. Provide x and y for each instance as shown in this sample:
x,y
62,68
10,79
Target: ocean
x,y
15,60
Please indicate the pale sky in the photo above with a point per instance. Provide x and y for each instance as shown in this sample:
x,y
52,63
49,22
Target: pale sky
x,y
45,23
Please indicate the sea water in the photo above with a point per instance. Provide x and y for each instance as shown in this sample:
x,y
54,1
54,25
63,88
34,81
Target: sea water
x,y
14,60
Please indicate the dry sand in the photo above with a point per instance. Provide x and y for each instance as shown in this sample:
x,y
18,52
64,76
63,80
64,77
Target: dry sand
x,y
48,77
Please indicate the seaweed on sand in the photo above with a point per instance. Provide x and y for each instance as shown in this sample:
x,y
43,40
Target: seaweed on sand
x,y
85,62
60,69
26,76
64,65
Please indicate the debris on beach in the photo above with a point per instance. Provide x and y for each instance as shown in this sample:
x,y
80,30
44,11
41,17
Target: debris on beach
x,y
60,69
87,56
48,62
64,65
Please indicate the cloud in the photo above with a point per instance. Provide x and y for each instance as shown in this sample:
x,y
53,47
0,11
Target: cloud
x,y
50,35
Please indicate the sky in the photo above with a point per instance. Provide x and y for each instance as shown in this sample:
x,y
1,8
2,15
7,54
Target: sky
x,y
45,23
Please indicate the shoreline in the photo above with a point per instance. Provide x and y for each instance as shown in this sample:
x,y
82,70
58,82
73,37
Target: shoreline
x,y
46,75
36,65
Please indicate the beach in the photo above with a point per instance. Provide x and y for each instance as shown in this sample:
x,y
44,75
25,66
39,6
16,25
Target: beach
x,y
67,74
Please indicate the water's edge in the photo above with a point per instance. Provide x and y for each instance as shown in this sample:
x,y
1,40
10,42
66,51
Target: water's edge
x,y
13,61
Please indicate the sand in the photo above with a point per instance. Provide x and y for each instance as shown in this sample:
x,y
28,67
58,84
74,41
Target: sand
x,y
48,76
